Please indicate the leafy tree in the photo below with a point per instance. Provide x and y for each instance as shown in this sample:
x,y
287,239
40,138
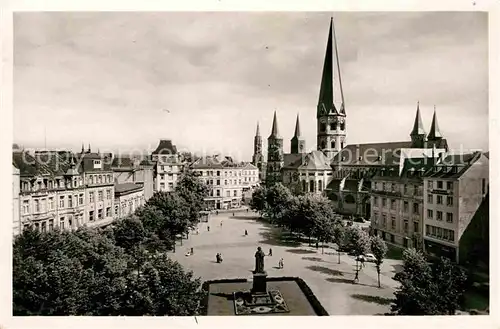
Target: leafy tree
x,y
193,191
86,273
258,202
359,241
175,212
339,237
157,226
277,198
379,250
427,289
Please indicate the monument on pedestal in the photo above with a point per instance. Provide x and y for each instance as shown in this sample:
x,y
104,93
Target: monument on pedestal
x,y
259,300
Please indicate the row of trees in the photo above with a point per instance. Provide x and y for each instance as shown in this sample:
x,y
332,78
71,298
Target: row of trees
x,y
426,288
314,217
119,270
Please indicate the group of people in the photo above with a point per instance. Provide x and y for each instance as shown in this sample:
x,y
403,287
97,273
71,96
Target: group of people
x,y
218,258
280,262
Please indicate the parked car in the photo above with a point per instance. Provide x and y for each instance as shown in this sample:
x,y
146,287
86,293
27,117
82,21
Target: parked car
x,y
367,258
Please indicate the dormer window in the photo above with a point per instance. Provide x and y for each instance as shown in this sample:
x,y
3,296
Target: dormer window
x,y
322,127
333,126
342,126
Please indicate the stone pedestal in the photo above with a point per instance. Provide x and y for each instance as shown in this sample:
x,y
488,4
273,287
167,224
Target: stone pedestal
x,y
259,283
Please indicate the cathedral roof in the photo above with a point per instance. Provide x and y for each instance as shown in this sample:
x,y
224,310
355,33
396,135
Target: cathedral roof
x,y
292,160
257,133
297,127
370,154
316,160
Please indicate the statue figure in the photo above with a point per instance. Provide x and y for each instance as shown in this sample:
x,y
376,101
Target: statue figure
x,y
259,261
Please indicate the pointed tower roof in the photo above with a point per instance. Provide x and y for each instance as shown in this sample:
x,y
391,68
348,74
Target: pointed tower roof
x,y
83,148
434,133
257,133
326,90
418,126
89,150
297,127
274,132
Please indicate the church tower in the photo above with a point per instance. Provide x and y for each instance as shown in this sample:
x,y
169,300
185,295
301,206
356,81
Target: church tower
x,y
418,133
257,157
274,155
435,137
331,119
298,145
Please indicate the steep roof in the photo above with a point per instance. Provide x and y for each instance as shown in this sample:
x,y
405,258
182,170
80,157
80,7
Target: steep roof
x,y
127,187
292,160
297,128
165,147
122,162
274,131
435,132
418,126
316,160
453,165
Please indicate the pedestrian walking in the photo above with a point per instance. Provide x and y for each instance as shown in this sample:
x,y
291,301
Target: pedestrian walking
x,y
220,223
208,228
247,209
192,250
280,263
217,212
220,257
270,252
233,214
246,232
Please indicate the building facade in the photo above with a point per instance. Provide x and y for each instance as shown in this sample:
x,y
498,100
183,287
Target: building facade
x,y
226,180
168,166
454,189
135,170
128,197
16,186
275,159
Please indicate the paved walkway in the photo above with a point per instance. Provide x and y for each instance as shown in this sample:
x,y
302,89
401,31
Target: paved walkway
x,y
331,282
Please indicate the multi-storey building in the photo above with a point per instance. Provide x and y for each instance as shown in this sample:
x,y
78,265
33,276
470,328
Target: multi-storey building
x,y
454,189
64,190
249,176
16,185
134,170
128,197
226,180
168,166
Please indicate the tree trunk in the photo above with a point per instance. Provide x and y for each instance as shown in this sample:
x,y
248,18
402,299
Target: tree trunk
x,y
378,275
338,251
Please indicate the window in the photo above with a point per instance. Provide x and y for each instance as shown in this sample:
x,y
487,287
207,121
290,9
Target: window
x,y
405,206
108,194
342,126
415,209
333,126
439,232
384,220
449,185
170,185
430,198
218,182
393,222
100,179
449,217
116,210
225,181
37,205
405,189
393,204
70,221
415,226
439,215
392,238
430,214
61,223
162,186
162,176
218,192
332,144
218,173
70,201
91,215
108,212
406,226
100,195
384,202
439,199
393,187
449,201
427,230
51,225
80,201
383,186
51,203
228,193
61,201
440,185
322,127
91,196
44,227
26,207
235,193
451,235
99,213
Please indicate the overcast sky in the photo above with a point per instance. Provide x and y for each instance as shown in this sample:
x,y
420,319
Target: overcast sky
x,y
106,78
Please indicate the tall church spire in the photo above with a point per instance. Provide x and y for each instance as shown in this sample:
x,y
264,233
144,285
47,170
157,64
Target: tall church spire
x,y
325,101
418,133
274,131
297,145
297,127
434,133
257,133
331,120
